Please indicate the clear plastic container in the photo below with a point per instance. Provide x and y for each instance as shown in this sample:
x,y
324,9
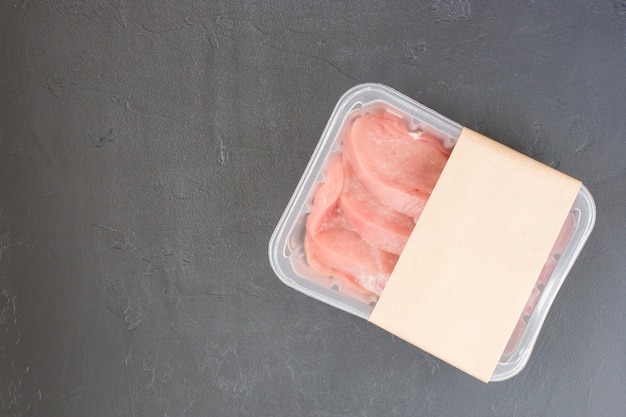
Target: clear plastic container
x,y
286,247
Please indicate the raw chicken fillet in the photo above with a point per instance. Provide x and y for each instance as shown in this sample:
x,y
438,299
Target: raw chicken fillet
x,y
567,231
372,195
396,165
334,248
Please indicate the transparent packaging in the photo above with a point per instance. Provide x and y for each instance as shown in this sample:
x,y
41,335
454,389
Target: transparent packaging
x,y
286,247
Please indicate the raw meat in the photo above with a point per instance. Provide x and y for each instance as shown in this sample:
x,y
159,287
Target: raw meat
x,y
396,165
342,253
331,246
322,215
366,208
566,234
373,193
516,336
532,301
546,272
375,222
548,268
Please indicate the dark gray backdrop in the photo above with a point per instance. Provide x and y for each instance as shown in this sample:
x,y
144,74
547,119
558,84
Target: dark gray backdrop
x,y
147,149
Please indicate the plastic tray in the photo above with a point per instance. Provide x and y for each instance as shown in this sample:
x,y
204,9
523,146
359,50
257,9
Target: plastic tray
x,y
286,247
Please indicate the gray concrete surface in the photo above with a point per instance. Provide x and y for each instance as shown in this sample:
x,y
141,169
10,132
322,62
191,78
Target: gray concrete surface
x,y
147,149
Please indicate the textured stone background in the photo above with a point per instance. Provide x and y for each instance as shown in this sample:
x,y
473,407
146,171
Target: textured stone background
x,y
147,150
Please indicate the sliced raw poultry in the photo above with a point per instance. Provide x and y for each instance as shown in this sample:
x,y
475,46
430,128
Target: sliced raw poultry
x,y
515,338
546,271
548,268
323,216
532,301
333,248
398,166
565,236
375,222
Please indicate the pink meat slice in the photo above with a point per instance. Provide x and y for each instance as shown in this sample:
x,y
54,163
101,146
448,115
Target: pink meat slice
x,y
546,271
343,254
376,223
332,248
548,268
565,235
322,216
516,336
532,302
396,165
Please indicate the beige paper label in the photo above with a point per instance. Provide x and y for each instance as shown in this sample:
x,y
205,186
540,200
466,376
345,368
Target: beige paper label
x,y
474,256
